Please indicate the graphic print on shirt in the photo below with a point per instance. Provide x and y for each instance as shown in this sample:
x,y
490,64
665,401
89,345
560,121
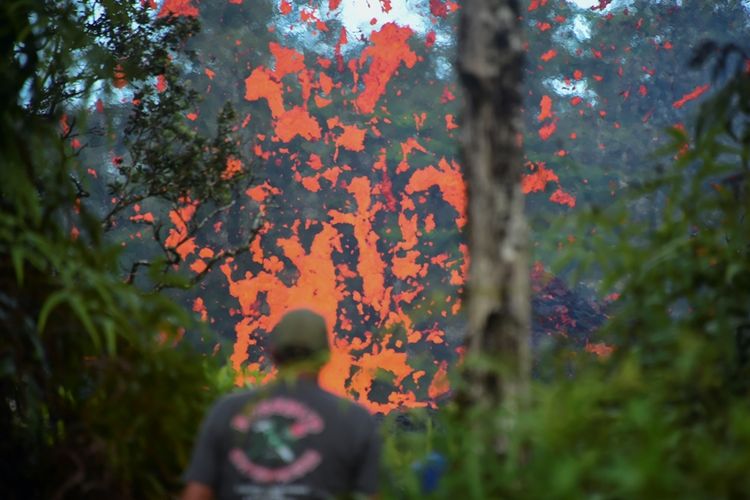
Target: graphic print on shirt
x,y
270,447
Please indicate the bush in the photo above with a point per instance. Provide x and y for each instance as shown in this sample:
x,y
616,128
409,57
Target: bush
x,y
98,399
667,414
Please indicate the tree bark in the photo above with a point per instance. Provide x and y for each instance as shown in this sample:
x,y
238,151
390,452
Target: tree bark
x,y
490,67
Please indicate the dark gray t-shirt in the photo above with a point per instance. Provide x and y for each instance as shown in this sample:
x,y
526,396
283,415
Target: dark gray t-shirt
x,y
286,441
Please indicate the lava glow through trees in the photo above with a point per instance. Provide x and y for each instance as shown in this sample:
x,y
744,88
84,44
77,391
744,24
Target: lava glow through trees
x,y
346,243
353,136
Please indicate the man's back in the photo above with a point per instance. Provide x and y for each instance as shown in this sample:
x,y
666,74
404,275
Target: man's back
x,y
286,441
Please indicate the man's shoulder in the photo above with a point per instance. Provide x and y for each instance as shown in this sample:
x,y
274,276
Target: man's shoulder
x,y
228,404
346,406
236,397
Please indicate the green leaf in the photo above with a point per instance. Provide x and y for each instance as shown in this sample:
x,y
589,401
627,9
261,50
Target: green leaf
x,y
17,256
110,336
77,305
52,301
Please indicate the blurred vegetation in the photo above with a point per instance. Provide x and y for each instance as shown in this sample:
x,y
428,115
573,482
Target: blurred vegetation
x,y
98,397
666,414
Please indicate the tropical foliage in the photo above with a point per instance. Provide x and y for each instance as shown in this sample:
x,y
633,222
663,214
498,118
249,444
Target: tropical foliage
x,y
665,413
100,398
331,180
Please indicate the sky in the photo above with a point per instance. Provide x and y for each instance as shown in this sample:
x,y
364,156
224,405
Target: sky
x,y
357,15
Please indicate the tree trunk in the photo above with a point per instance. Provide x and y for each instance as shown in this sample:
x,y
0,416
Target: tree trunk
x,y
490,66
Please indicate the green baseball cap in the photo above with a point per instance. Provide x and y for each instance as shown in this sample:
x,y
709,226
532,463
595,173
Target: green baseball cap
x,y
300,333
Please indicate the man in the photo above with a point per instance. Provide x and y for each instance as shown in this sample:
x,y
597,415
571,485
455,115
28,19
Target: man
x,y
290,439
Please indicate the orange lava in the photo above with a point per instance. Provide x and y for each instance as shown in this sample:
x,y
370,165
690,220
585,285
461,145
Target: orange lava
x,y
448,178
356,222
261,85
600,349
234,167
546,108
694,94
563,198
177,238
546,131
371,266
287,60
297,121
388,50
315,288
178,8
352,137
537,181
549,55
